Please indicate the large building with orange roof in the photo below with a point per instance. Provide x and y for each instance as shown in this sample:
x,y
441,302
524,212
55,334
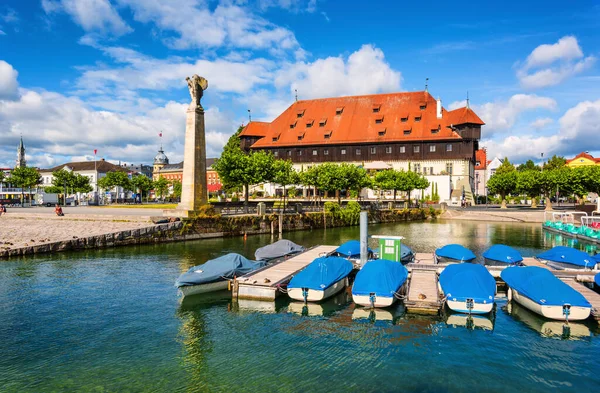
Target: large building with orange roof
x,y
409,130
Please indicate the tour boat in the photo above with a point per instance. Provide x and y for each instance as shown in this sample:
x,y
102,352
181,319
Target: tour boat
x,y
322,278
561,257
547,327
280,249
540,291
453,253
378,282
214,275
501,255
468,288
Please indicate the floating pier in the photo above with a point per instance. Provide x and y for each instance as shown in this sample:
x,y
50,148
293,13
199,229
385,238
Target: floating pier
x,y
423,295
589,294
264,283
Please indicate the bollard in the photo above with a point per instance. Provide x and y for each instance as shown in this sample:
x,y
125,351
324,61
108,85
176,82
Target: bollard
x,y
364,222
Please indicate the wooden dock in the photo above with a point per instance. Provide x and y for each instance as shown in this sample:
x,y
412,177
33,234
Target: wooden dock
x,y
590,295
423,295
264,283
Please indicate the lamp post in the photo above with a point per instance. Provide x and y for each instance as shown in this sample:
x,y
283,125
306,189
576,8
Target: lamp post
x,y
95,179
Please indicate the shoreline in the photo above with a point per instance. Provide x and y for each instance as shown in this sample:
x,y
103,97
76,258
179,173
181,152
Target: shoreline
x,y
499,215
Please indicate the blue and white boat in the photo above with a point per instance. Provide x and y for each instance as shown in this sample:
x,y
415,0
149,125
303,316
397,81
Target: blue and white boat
x,y
322,278
540,291
406,254
468,288
501,255
561,257
453,253
214,275
597,280
351,250
378,283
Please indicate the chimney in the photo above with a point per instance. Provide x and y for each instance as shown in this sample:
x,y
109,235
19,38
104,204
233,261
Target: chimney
x,y
439,108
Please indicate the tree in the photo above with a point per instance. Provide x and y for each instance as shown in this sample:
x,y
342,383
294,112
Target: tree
x,y
2,177
82,184
63,180
161,185
410,181
142,184
310,178
528,166
356,177
528,183
556,162
387,180
24,177
115,179
177,187
284,175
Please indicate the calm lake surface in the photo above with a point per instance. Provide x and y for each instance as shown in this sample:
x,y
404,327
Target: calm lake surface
x,y
111,321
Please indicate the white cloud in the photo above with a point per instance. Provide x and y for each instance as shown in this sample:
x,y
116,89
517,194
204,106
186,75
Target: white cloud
x,y
502,115
551,64
541,122
9,87
364,72
91,15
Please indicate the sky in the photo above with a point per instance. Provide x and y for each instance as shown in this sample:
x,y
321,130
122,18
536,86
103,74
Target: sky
x,y
80,75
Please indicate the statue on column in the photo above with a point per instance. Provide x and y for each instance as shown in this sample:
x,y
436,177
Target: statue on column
x,y
196,85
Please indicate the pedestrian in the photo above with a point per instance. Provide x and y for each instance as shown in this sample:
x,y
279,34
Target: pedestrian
x,y
2,209
58,210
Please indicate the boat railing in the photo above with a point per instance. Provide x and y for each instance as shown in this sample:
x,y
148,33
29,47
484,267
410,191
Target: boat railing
x,y
587,221
563,217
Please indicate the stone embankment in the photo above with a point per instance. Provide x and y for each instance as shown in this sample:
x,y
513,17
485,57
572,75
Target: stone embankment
x,y
500,215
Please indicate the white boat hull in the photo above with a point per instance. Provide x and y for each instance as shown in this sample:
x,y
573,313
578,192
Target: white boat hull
x,y
315,295
550,312
190,290
380,301
478,308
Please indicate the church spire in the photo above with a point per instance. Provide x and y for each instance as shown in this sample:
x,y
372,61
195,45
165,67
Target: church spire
x,y
21,162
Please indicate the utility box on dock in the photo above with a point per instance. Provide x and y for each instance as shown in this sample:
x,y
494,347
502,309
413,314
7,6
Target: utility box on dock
x,y
390,247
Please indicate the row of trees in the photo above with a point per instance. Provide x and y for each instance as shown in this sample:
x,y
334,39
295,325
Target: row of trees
x,y
393,180
533,181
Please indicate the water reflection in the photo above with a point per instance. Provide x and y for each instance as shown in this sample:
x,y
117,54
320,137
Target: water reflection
x,y
546,327
323,309
552,239
471,322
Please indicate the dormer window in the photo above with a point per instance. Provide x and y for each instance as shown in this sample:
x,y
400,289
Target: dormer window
x,y
300,113
422,106
276,137
376,108
417,118
339,110
379,120
322,122
327,135
407,132
293,125
300,136
404,119
309,123
435,130
381,132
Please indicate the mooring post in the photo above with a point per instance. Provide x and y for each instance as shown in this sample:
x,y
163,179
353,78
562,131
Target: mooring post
x,y
280,225
364,222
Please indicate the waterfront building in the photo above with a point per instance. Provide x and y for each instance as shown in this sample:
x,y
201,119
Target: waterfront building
x,y
481,172
493,165
408,131
582,159
174,172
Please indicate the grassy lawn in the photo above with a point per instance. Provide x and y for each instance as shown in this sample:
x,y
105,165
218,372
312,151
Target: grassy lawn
x,y
143,206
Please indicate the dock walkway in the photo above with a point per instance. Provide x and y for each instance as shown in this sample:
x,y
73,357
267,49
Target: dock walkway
x,y
590,295
264,283
423,296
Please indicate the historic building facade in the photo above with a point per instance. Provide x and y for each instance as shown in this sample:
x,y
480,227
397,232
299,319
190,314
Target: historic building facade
x,y
409,131
174,172
583,159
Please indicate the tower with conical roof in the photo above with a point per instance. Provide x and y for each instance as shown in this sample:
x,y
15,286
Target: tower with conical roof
x,y
21,162
160,160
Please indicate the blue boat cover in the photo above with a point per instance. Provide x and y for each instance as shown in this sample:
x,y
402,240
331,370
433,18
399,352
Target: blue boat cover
x,y
597,279
405,251
468,281
322,273
455,251
278,249
568,255
381,277
227,266
502,253
541,286
350,249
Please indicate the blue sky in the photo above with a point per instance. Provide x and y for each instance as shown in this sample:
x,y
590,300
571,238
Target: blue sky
x,y
79,75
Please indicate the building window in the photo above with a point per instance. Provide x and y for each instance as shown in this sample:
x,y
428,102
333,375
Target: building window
x,y
300,137
309,123
449,168
293,125
417,118
289,153
300,113
315,152
417,168
477,163
404,119
402,149
435,130
422,107
276,154
379,120
327,135
449,147
357,152
376,108
325,152
323,122
373,150
432,148
406,132
339,110
416,149
343,151
299,152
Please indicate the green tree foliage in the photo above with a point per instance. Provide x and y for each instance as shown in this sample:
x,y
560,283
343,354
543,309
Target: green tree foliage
x,y
284,174
556,162
177,187
528,166
141,184
161,185
528,183
24,177
115,179
310,178
400,181
2,177
504,181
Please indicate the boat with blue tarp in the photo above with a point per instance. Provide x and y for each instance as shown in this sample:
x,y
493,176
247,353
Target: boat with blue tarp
x,y
468,288
351,249
502,255
597,280
280,249
453,253
214,275
322,278
540,291
378,283
562,257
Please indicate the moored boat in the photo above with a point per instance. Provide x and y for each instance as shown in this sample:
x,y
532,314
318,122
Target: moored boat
x,y
280,249
502,255
322,278
406,254
453,253
540,291
214,275
378,282
468,288
351,250
597,280
561,257
545,327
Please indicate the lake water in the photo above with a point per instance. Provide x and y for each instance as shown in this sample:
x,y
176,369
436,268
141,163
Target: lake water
x,y
111,321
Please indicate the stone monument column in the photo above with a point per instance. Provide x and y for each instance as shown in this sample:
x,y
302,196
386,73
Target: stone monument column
x,y
193,187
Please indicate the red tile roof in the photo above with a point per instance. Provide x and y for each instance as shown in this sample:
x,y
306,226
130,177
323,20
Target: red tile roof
x,y
481,158
584,155
357,122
